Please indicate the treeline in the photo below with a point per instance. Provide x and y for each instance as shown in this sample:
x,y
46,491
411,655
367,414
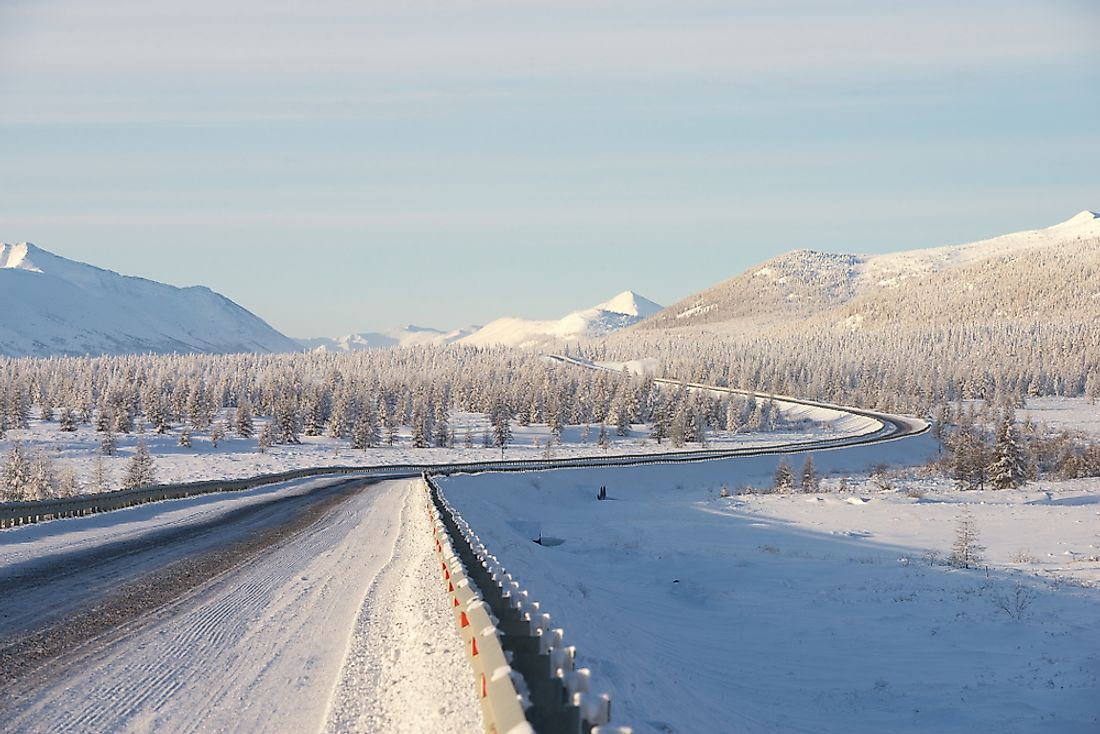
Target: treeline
x,y
910,369
989,448
369,399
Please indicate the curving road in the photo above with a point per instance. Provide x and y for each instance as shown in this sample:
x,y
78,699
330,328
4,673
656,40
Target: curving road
x,y
295,606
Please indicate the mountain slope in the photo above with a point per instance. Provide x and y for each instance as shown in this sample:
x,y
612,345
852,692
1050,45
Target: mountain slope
x,y
626,309
404,336
1040,271
55,306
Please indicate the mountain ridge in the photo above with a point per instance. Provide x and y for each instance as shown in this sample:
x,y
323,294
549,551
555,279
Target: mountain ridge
x,y
807,284
55,306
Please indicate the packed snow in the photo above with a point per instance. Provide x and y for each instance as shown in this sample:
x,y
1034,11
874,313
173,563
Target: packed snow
x,y
832,611
344,628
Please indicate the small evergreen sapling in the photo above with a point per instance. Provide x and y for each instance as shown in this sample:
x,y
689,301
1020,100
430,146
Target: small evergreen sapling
x,y
967,550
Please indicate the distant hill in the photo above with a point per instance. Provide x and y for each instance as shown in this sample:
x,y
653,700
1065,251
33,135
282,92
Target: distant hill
x,y
404,336
626,309
50,305
1040,273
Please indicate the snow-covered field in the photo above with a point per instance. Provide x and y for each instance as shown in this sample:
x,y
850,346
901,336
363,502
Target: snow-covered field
x,y
345,628
1074,414
823,612
236,458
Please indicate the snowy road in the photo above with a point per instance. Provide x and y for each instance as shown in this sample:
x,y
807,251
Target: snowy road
x,y
300,632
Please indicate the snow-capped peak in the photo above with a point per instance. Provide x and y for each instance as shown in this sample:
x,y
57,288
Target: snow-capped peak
x,y
1082,218
18,256
630,304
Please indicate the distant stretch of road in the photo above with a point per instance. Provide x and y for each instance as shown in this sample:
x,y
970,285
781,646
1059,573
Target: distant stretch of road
x,y
294,606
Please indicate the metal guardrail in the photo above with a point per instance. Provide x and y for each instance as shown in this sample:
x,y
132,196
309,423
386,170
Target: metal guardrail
x,y
525,674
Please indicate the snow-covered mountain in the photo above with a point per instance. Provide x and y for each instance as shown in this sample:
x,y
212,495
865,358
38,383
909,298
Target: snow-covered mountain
x,y
50,305
626,309
1051,269
403,336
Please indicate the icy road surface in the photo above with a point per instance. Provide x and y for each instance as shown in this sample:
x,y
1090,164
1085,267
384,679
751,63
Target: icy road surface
x,y
338,623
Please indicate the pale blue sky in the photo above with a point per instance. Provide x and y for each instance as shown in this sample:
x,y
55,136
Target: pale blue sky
x,y
344,166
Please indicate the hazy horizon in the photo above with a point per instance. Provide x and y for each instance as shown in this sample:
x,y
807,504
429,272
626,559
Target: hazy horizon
x,y
344,167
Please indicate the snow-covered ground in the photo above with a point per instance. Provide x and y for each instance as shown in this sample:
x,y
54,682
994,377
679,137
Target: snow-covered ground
x,y
236,458
1074,414
344,628
823,612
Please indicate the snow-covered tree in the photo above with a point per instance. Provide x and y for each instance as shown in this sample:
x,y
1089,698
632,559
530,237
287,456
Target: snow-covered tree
x,y
67,483
141,471
266,438
101,475
967,550
217,433
501,420
811,482
365,432
1008,469
42,480
784,477
67,420
108,444
243,424
16,473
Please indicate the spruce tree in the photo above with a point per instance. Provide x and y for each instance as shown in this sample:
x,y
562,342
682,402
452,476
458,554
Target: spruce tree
x,y
67,420
16,473
364,433
784,477
217,433
1008,469
141,471
108,445
266,438
811,482
243,425
501,420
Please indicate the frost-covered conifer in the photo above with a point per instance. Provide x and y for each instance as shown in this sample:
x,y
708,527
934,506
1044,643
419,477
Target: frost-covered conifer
x,y
108,445
141,471
67,420
16,473
365,433
811,482
243,424
784,477
42,480
266,438
1008,468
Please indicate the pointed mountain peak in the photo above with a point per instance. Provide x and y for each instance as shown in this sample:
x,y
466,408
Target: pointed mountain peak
x,y
1085,217
19,256
631,304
